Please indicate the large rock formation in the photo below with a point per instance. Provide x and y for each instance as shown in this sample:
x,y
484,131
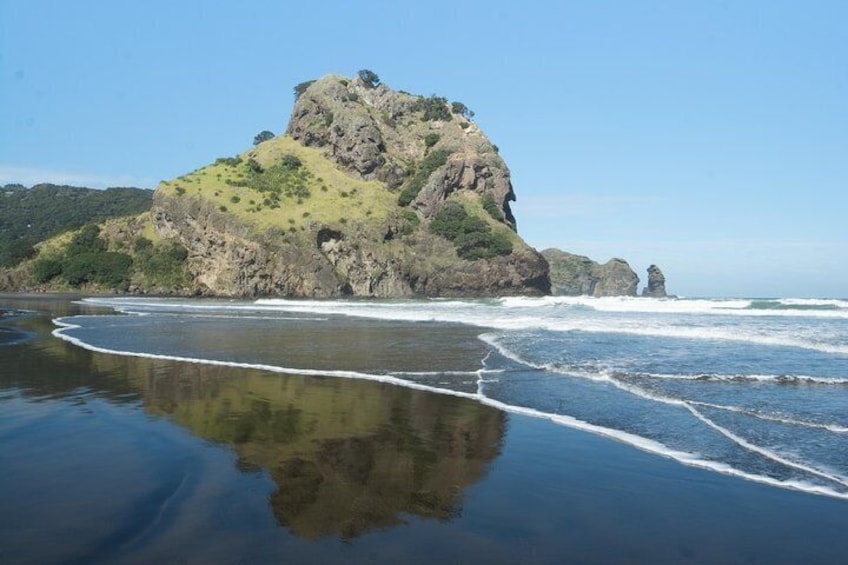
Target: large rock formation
x,y
378,133
342,206
576,275
656,283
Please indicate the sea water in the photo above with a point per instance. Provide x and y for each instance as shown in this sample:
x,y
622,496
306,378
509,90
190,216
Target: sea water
x,y
756,389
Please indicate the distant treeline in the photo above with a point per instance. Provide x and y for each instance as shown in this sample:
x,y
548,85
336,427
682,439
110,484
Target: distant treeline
x,y
31,215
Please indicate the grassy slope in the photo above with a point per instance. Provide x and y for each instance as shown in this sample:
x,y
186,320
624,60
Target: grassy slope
x,y
335,197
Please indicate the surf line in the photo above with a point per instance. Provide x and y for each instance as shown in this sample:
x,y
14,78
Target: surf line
x,y
780,420
730,435
644,444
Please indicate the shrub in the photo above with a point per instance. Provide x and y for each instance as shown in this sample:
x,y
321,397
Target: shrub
x,y
433,108
291,161
235,199
254,166
301,88
369,78
431,162
462,110
44,270
142,245
106,268
472,237
229,161
87,240
431,139
164,265
262,136
491,207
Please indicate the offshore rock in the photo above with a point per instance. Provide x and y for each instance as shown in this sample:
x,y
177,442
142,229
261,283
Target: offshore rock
x,y
656,283
577,275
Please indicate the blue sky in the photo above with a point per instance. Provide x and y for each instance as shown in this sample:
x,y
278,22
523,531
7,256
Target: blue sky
x,y
710,138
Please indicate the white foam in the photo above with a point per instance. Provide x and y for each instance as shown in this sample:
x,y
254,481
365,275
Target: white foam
x,y
530,314
724,307
776,379
658,448
835,428
767,453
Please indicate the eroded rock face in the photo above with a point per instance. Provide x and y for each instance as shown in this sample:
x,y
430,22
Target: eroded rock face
x,y
656,283
226,259
576,275
378,134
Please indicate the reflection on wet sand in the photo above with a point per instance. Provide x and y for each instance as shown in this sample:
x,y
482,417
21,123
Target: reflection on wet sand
x,y
346,456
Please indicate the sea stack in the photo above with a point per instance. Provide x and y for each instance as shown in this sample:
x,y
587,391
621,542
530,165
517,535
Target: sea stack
x,y
656,283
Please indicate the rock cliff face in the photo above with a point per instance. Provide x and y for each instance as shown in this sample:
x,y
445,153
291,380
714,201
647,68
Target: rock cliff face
x,y
343,204
656,283
378,133
576,275
227,259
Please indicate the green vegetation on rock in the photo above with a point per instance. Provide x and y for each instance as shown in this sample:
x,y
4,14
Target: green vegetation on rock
x,y
161,265
300,88
491,207
85,260
285,179
28,216
472,236
369,78
428,166
462,110
434,108
262,136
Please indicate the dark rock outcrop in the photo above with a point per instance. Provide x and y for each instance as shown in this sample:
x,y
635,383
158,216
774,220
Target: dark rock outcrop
x,y
576,275
656,283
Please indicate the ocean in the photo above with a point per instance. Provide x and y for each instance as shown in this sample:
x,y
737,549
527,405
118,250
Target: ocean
x,y
346,418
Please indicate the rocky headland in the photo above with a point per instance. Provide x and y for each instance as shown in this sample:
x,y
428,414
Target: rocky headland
x,y
371,192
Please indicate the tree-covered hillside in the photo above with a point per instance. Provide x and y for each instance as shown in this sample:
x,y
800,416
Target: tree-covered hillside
x,y
30,215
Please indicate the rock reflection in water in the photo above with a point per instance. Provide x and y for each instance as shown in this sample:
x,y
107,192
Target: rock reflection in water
x,y
346,456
